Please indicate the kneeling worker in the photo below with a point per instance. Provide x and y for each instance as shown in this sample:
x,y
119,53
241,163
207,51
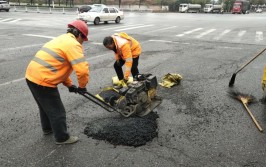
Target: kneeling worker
x,y
127,51
52,65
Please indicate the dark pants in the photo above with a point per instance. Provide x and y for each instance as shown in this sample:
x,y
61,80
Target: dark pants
x,y
52,111
134,69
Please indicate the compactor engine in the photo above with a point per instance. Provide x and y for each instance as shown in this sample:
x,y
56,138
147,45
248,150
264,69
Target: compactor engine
x,y
138,98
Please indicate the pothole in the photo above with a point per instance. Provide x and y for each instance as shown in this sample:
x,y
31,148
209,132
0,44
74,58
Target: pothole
x,y
132,131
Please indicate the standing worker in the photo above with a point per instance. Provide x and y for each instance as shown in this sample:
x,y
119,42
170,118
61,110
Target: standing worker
x,y
52,65
127,51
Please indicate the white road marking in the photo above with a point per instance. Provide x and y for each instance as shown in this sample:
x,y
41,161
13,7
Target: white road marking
x,y
205,33
239,35
5,20
160,29
21,47
222,34
96,43
41,36
14,21
259,36
163,41
13,81
134,27
189,32
122,26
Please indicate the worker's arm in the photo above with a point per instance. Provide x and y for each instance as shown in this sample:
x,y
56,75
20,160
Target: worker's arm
x,y
68,82
79,64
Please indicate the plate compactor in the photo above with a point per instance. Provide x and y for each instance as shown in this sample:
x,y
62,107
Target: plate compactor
x,y
138,98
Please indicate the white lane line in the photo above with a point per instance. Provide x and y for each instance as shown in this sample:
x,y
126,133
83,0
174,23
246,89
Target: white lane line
x,y
134,27
41,36
259,36
222,34
122,26
167,28
189,32
205,33
14,20
5,20
162,41
96,43
241,33
21,47
13,81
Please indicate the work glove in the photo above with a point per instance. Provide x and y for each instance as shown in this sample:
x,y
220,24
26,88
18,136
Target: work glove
x,y
82,90
73,88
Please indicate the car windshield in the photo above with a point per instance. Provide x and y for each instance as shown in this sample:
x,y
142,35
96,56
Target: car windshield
x,y
96,9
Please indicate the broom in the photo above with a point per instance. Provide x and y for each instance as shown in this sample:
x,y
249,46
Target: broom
x,y
245,99
232,80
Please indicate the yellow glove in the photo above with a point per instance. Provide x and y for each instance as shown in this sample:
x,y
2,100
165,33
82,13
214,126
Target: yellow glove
x,y
124,83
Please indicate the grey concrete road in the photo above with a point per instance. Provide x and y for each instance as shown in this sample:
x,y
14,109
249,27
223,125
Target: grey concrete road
x,y
198,124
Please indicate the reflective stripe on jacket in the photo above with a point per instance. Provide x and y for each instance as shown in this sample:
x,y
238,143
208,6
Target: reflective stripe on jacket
x,y
55,61
127,49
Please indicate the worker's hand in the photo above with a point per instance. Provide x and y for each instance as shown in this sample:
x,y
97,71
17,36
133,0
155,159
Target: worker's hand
x,y
73,88
82,90
263,85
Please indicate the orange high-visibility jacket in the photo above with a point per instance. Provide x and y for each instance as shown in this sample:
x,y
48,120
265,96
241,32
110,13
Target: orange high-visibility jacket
x,y
127,48
56,60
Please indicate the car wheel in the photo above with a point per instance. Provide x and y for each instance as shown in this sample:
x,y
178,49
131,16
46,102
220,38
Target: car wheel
x,y
7,10
96,20
117,20
105,22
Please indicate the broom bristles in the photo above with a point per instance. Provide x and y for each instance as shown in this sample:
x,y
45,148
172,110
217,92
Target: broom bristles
x,y
232,80
238,95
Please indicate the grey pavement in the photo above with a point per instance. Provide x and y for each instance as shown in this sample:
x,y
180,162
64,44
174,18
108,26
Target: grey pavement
x,y
198,124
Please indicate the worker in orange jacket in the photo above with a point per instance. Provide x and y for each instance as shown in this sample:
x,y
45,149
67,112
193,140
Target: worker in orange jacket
x,y
127,51
52,65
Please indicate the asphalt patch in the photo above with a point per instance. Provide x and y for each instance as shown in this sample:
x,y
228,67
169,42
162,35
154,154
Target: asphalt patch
x,y
132,131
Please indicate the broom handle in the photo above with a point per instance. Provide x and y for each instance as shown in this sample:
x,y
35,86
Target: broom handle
x,y
251,60
253,118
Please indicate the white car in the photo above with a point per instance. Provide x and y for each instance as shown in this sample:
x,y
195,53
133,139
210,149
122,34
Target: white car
x,y
4,5
259,10
102,14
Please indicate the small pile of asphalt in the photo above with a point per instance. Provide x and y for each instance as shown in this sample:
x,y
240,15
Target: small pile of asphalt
x,y
132,131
